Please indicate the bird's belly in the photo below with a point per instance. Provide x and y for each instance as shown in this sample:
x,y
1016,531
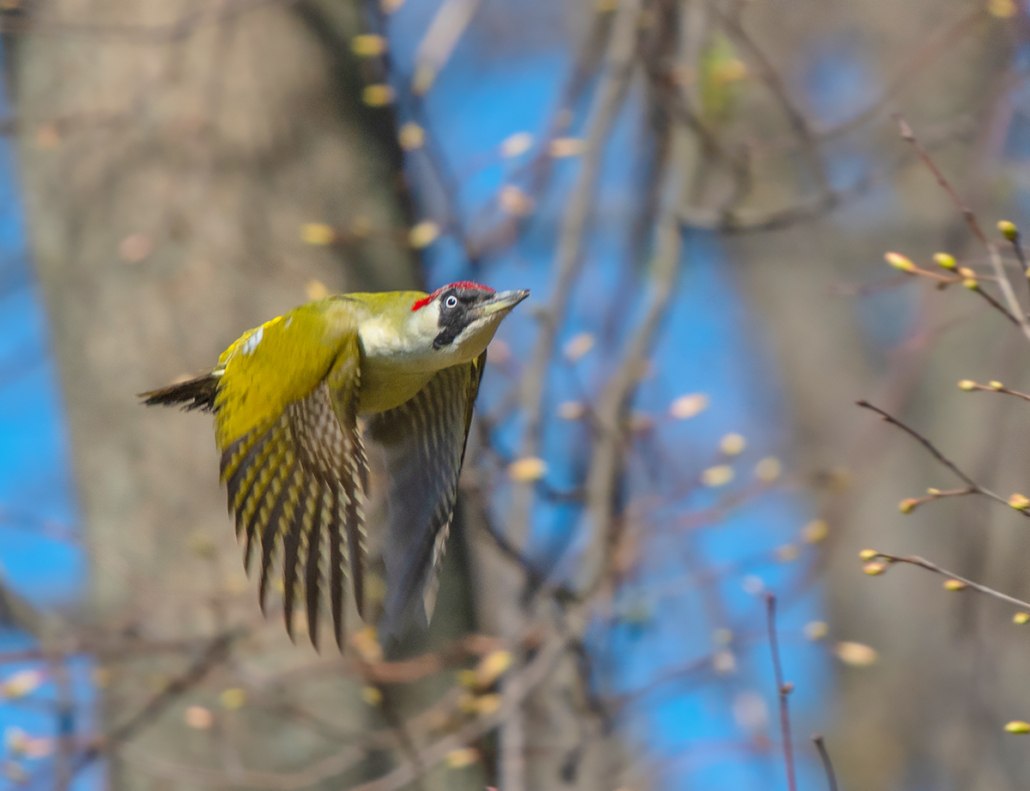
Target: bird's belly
x,y
384,387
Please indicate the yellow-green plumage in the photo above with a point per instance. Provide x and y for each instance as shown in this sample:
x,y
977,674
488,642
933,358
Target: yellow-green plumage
x,y
297,351
290,399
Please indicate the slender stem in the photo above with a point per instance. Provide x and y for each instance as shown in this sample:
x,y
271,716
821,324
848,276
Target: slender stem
x,y
1004,390
1017,247
824,756
1014,309
922,441
783,689
929,565
973,485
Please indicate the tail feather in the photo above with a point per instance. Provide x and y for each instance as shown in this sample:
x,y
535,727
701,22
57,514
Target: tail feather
x,y
196,393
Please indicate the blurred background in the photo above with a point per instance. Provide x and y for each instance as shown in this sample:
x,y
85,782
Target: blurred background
x,y
655,580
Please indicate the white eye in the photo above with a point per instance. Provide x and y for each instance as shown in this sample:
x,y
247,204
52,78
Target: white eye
x,y
451,302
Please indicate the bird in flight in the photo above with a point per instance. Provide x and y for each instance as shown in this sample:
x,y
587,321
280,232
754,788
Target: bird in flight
x,y
295,401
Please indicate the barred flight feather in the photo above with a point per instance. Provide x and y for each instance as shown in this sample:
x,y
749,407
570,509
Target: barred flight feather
x,y
246,486
336,573
424,444
295,478
273,526
313,574
291,553
244,471
259,502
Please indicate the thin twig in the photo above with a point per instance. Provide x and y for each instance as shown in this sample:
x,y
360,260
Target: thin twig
x,y
932,449
824,756
1013,306
923,441
1016,240
997,388
783,690
995,304
929,565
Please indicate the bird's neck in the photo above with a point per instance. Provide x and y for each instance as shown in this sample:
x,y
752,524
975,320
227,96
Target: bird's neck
x,y
396,365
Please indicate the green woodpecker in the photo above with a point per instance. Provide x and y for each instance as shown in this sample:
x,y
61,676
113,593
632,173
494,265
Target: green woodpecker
x,y
294,401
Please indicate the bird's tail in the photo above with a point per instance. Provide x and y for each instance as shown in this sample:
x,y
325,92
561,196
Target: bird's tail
x,y
196,393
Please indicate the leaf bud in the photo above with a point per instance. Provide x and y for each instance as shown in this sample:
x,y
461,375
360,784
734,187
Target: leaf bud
x,y
900,262
1008,230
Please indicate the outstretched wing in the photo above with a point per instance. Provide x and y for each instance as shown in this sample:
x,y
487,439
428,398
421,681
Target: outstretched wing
x,y
297,475
423,443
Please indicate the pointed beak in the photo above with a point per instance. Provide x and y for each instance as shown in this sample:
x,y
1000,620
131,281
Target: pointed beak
x,y
502,301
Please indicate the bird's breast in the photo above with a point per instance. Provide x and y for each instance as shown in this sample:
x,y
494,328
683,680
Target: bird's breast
x,y
385,386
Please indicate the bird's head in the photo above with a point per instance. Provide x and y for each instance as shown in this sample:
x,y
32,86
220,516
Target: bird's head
x,y
462,317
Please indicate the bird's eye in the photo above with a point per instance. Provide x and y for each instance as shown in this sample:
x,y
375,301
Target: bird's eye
x,y
451,302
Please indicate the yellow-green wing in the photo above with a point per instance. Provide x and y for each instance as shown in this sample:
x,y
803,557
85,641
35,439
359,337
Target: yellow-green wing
x,y
296,475
278,363
423,443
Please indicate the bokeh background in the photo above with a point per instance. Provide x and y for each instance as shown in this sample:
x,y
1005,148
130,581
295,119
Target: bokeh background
x,y
667,451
